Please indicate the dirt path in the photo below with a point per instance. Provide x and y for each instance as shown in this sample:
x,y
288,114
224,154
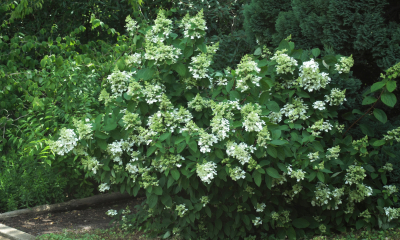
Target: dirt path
x,y
93,217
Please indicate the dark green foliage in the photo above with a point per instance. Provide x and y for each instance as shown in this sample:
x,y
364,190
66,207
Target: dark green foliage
x,y
362,28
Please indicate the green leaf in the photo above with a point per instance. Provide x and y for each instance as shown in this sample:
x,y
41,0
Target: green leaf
x,y
273,106
367,130
230,85
284,45
389,99
263,98
180,69
300,223
336,174
321,176
166,200
165,136
273,172
181,146
193,146
152,200
234,95
145,74
360,223
384,179
202,47
110,126
380,115
102,143
312,176
219,153
100,135
369,100
158,190
175,174
188,51
391,86
257,178
369,168
378,143
316,52
257,52
272,151
302,94
151,150
376,86
167,234
208,211
291,233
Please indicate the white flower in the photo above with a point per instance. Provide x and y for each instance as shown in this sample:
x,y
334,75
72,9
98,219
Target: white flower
x,y
112,212
237,173
65,143
285,64
239,151
319,105
257,221
206,141
103,187
310,77
260,207
206,171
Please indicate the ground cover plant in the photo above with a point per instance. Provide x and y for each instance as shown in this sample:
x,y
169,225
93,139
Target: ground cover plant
x,y
255,151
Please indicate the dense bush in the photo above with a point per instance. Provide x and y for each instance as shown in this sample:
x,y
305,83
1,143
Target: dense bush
x,y
254,151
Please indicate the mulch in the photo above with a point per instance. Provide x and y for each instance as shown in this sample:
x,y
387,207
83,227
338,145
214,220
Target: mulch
x,y
92,217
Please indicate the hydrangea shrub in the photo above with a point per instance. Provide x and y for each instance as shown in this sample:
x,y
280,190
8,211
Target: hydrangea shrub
x,y
256,151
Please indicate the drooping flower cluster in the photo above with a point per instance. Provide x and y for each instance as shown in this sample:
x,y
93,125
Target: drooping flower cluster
x,y
388,167
260,207
298,174
153,92
344,65
285,64
131,25
199,66
116,149
296,189
159,52
204,200
65,143
310,78
181,209
320,126
131,120
206,141
198,103
206,171
119,82
323,194
237,173
360,193
194,27
224,109
333,152
252,121
366,215
160,30
393,135
103,187
257,221
263,137
336,97
275,117
239,151
355,174
247,71
134,60
84,129
220,127
91,164
320,105
295,110
392,213
361,145
390,189
281,218
111,212
167,162
313,156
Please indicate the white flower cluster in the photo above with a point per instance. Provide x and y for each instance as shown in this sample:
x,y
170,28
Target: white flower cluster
x,y
252,121
298,174
390,189
206,141
84,130
275,117
198,103
116,149
345,64
103,187
392,213
310,78
119,82
206,171
134,60
199,66
360,193
323,194
388,167
131,120
260,207
320,105
132,169
336,97
285,64
181,208
246,71
393,135
224,109
320,126
296,189
237,173
160,52
313,156
65,143
333,152
263,137
257,221
220,127
295,110
194,27
160,30
354,175
204,200
239,151
131,25
153,92
111,212
92,164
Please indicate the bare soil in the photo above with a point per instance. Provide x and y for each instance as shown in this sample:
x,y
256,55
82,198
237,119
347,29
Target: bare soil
x,y
92,217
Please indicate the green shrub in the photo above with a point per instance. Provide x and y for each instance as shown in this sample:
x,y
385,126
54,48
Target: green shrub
x,y
239,153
